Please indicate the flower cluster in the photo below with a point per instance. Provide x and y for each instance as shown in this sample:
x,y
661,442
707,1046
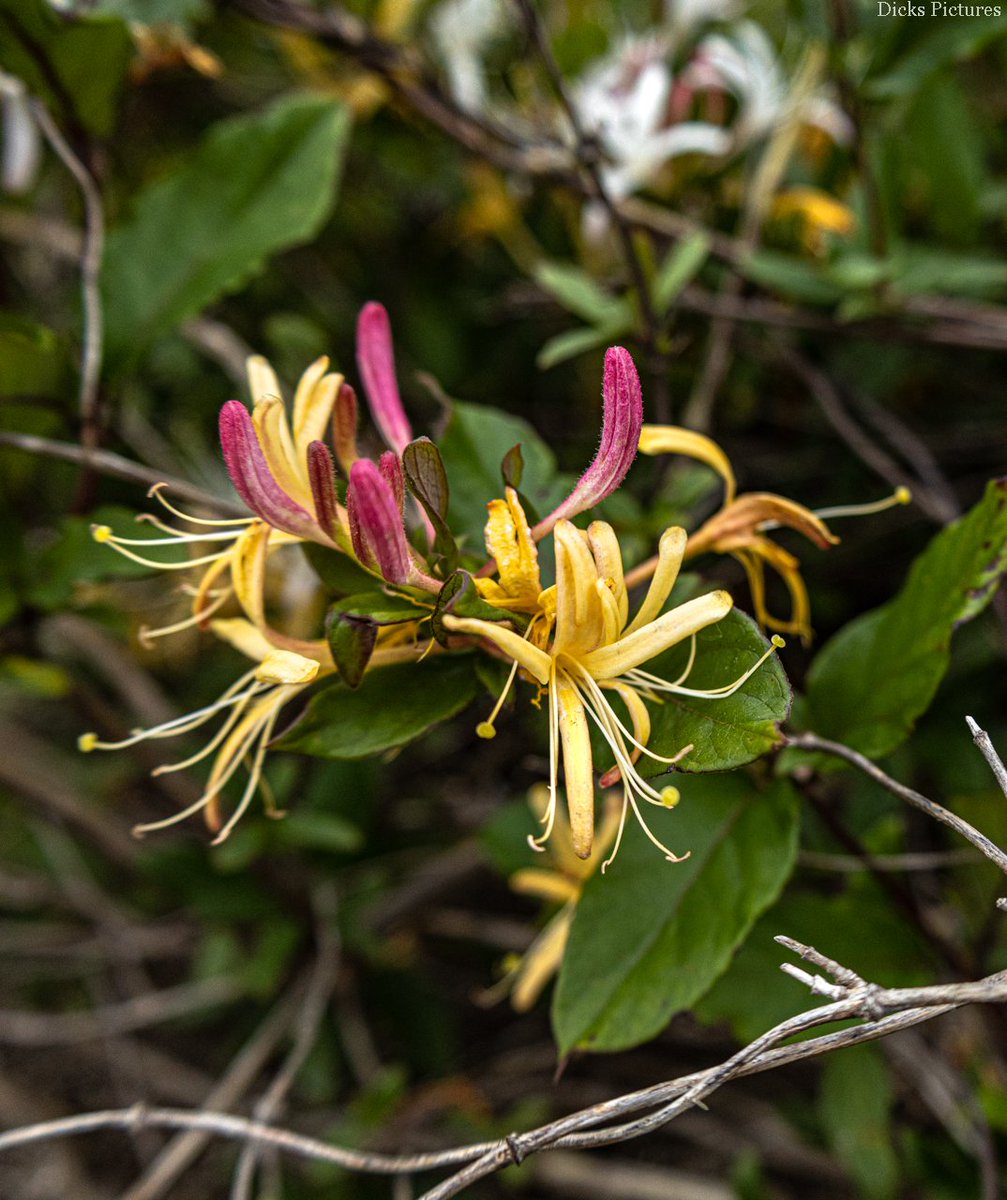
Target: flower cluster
x,y
576,639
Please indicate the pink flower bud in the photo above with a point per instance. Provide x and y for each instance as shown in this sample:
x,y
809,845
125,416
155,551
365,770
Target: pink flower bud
x,y
379,538
376,360
390,466
322,477
254,481
620,435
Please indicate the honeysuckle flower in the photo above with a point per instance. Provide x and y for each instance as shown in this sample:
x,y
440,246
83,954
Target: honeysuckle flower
x,y
248,712
561,881
625,101
622,420
462,32
739,527
580,647
745,65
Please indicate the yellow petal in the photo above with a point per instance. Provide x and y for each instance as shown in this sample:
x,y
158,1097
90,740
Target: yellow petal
x,y
608,559
262,381
317,414
245,637
284,666
248,570
672,439
509,542
579,621
578,765
670,553
306,424
270,419
739,522
547,885
637,648
536,662
541,961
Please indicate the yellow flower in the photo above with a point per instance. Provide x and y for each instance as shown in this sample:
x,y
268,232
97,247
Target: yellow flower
x,y
249,710
580,647
740,526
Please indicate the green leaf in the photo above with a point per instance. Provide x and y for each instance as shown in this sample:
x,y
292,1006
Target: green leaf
x,y
679,269
572,342
578,293
938,44
338,572
871,681
352,640
649,936
473,446
33,359
729,732
383,608
256,184
856,1109
76,66
460,598
512,467
791,277
428,482
393,706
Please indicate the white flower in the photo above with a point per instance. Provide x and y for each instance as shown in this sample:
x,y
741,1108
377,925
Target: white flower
x,y
462,30
21,142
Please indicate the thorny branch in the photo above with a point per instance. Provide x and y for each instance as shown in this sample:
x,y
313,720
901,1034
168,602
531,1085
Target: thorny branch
x,y
881,1011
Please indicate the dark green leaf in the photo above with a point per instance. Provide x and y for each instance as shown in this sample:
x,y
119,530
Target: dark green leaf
x,y
428,481
341,574
871,682
937,44
459,597
679,269
257,184
75,66
512,467
393,705
729,732
651,936
352,640
383,608
473,445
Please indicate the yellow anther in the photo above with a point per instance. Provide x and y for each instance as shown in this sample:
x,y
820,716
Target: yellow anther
x,y
486,730
903,495
778,641
87,742
101,533
670,796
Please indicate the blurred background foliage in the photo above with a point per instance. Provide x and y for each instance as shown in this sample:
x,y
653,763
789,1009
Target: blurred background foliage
x,y
825,297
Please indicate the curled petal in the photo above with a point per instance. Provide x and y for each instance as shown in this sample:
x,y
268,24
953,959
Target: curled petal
x,y
535,661
578,765
251,476
580,620
376,360
739,523
620,434
668,630
672,439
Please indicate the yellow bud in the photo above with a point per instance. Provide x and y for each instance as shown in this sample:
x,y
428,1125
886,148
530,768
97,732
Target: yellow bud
x,y
670,796
485,730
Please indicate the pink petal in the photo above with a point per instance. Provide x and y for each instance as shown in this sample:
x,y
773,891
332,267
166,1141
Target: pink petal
x,y
376,360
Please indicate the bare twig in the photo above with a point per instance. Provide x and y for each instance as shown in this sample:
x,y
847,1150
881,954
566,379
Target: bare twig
x,y
987,750
811,741
90,273
108,463
62,1029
